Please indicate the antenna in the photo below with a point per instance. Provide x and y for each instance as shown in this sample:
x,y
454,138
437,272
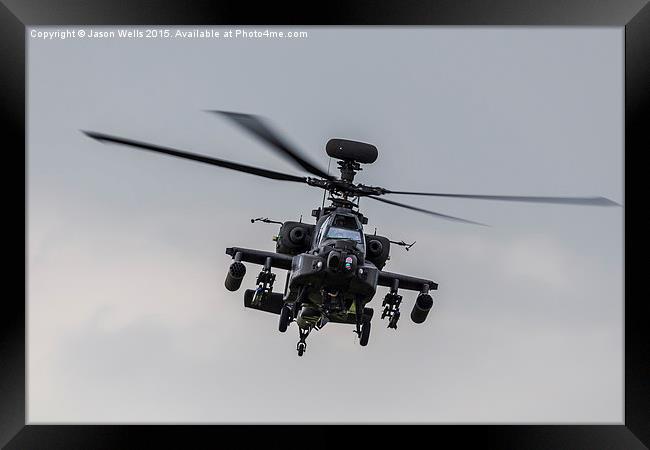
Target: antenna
x,y
403,244
265,220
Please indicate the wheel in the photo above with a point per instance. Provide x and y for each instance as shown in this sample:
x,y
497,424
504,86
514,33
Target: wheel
x,y
285,318
301,348
365,333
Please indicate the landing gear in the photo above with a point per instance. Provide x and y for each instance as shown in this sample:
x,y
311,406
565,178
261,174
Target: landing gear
x,y
301,348
297,312
391,306
302,345
362,323
285,318
264,282
358,313
365,333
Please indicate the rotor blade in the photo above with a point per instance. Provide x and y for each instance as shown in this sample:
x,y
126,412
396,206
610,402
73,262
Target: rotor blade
x,y
590,201
255,125
426,211
194,157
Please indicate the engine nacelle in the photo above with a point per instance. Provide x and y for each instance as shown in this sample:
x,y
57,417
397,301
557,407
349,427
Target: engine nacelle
x,y
294,238
377,250
421,308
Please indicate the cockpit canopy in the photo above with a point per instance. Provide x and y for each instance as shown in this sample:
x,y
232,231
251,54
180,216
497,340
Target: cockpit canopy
x,y
341,226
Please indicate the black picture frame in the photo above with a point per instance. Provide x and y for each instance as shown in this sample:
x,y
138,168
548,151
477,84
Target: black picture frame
x,y
16,15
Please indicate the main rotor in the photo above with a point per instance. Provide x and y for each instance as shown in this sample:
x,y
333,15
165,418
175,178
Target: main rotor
x,y
350,155
343,192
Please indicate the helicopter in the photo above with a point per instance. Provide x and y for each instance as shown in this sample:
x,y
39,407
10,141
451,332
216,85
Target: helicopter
x,y
333,266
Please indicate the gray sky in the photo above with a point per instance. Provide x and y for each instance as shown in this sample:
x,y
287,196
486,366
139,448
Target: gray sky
x,y
128,318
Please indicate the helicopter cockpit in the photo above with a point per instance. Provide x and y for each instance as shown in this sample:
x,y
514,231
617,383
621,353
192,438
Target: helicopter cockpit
x,y
341,226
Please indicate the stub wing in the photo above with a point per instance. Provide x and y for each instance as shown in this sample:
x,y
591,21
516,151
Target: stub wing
x,y
281,261
405,281
278,260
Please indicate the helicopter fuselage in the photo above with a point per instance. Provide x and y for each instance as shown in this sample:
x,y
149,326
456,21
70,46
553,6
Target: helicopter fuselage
x,y
334,275
333,271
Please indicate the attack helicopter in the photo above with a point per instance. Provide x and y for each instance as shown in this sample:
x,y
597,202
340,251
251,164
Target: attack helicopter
x,y
333,266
